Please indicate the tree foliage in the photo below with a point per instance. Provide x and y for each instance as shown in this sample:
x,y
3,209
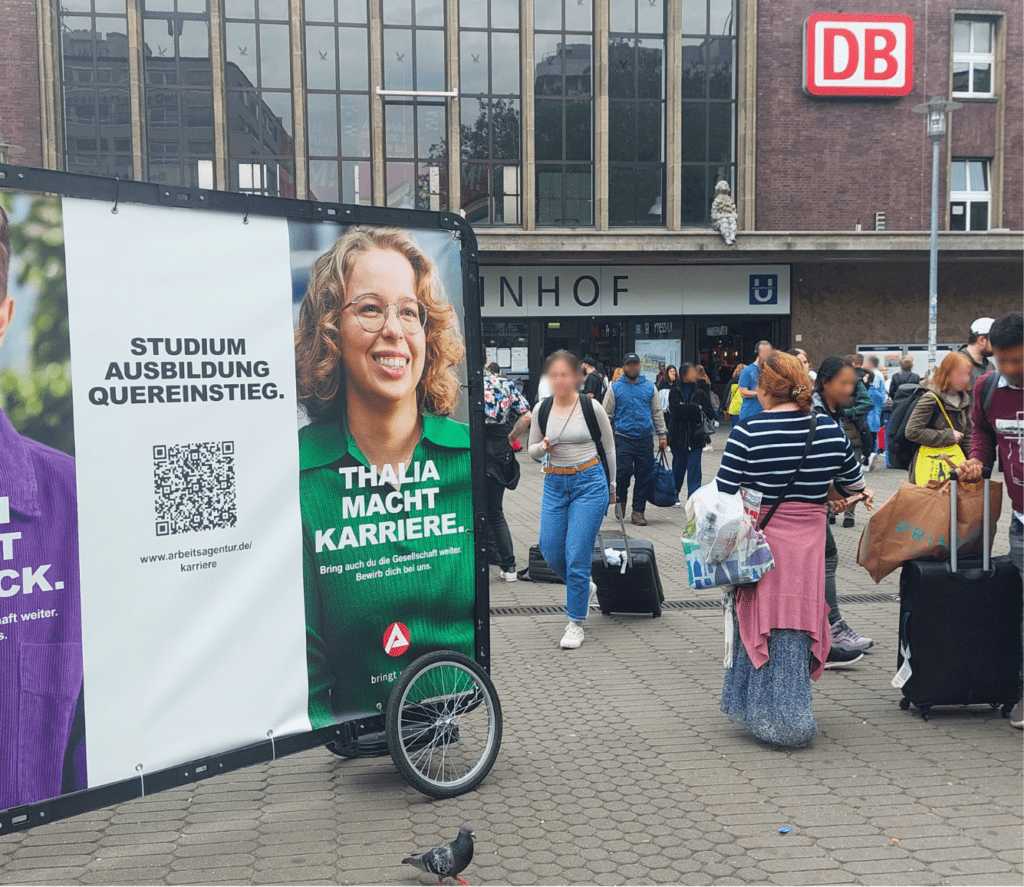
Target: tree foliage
x,y
38,401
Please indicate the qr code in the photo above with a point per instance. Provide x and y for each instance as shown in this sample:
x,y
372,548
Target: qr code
x,y
195,487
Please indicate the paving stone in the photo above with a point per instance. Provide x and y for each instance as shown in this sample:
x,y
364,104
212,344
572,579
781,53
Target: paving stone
x,y
617,767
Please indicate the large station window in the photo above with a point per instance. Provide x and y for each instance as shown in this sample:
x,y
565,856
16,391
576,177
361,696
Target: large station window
x,y
179,99
636,112
94,76
490,105
338,100
564,112
261,149
415,126
708,125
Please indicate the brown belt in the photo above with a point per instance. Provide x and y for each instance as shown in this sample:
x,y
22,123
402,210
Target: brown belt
x,y
571,469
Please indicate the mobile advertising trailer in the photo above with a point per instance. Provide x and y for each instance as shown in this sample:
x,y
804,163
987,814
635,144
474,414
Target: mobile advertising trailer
x,y
241,491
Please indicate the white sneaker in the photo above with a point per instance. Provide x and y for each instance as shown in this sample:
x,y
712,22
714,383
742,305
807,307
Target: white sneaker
x,y
679,504
592,604
710,448
509,577
573,637
871,461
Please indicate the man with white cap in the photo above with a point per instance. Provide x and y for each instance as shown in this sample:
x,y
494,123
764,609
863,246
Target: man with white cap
x,y
978,348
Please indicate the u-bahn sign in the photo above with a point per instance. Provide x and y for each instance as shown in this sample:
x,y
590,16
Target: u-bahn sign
x,y
858,55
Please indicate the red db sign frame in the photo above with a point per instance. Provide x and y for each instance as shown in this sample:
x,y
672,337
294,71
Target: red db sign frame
x,y
858,55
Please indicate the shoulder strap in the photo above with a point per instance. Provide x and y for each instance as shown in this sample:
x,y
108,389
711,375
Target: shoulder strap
x,y
542,415
590,415
792,480
938,400
988,388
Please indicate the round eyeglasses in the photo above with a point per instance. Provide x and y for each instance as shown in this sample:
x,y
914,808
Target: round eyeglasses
x,y
372,313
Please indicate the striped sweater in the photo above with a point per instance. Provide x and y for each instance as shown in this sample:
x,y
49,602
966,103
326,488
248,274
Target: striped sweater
x,y
762,453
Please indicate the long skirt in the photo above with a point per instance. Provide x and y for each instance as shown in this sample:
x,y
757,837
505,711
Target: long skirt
x,y
774,701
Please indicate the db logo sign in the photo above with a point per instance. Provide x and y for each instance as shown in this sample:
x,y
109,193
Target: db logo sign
x,y
396,639
859,55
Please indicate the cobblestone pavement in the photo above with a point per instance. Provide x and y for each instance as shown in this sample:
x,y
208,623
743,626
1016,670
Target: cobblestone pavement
x,y
617,767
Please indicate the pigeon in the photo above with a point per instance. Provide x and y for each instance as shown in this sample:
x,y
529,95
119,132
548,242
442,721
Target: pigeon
x,y
448,860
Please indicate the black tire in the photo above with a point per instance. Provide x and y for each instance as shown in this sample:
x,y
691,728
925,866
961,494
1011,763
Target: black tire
x,y
904,703
446,704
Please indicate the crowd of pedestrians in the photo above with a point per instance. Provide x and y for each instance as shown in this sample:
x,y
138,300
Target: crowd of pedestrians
x,y
801,437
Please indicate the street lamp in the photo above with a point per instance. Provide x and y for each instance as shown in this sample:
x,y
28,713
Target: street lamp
x,y
935,113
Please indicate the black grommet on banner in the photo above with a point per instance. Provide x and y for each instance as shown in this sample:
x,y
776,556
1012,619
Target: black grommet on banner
x,y
117,194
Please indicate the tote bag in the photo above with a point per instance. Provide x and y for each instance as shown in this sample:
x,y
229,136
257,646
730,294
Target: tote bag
x,y
933,463
663,485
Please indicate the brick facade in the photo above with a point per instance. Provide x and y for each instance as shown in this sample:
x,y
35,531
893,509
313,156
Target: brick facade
x,y
823,164
837,305
19,74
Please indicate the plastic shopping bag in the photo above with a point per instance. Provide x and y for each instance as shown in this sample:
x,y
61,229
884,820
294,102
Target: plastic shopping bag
x,y
715,521
750,560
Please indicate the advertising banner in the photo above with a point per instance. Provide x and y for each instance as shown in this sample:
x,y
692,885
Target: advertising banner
x,y
656,353
236,481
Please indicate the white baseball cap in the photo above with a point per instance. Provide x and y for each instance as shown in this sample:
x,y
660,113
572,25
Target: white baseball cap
x,y
982,325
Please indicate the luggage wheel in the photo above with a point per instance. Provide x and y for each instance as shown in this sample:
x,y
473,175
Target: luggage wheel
x,y
1006,709
606,612
904,703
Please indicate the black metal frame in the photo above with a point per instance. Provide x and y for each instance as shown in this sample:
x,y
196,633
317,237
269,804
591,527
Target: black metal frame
x,y
114,191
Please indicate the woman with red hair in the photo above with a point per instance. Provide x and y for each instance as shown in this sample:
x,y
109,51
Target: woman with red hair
x,y
782,635
942,415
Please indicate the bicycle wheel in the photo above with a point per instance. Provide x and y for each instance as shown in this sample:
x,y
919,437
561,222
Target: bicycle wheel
x,y
443,724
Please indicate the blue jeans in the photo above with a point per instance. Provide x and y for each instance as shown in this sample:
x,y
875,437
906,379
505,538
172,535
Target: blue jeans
x,y
634,457
686,464
570,517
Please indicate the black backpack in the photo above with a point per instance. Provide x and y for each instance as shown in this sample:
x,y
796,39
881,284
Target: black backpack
x,y
900,451
589,415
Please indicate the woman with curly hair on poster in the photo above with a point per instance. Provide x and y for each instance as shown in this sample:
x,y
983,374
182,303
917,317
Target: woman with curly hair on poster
x,y
385,487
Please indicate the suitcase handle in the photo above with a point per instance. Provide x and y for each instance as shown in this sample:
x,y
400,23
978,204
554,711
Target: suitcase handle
x,y
986,541
625,540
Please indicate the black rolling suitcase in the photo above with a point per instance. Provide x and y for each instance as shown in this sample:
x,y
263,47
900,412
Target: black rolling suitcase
x,y
634,586
539,571
960,628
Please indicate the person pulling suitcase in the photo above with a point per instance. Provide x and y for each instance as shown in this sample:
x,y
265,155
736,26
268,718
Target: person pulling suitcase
x,y
998,420
572,439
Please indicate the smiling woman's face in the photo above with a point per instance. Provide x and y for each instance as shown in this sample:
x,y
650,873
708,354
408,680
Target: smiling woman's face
x,y
385,366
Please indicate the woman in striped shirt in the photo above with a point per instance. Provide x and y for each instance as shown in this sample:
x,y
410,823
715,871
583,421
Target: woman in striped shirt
x,y
782,629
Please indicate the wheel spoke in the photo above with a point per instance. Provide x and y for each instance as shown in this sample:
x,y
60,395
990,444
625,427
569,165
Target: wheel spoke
x,y
444,726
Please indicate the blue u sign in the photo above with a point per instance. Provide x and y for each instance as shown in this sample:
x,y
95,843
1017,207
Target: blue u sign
x,y
764,289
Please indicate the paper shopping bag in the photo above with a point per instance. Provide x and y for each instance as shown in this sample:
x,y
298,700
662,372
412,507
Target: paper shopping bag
x,y
914,525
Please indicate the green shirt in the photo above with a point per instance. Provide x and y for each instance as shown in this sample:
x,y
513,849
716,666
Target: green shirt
x,y
379,550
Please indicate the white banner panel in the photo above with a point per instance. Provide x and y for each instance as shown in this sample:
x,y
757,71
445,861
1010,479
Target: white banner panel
x,y
195,381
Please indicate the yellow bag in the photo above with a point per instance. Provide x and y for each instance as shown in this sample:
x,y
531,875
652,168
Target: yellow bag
x,y
736,401
930,462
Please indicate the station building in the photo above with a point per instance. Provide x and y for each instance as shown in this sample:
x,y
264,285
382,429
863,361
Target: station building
x,y
583,139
